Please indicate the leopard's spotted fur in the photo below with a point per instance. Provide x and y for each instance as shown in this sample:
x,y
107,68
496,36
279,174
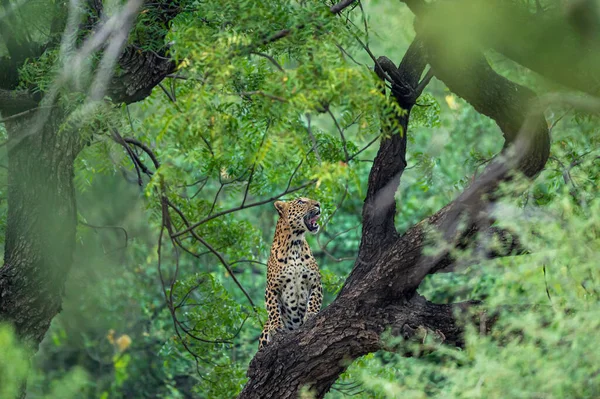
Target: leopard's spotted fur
x,y
294,290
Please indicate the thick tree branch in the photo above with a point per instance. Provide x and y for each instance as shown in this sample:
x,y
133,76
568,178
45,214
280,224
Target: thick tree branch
x,y
380,292
316,355
351,326
555,44
509,105
378,230
41,221
139,73
141,70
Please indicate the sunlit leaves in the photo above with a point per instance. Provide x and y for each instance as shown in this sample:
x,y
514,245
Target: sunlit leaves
x,y
207,312
14,368
426,113
267,96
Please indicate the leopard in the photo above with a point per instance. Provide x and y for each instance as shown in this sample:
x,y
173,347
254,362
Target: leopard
x,y
294,291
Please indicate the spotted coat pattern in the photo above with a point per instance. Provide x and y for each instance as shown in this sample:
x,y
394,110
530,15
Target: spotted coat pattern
x,y
294,290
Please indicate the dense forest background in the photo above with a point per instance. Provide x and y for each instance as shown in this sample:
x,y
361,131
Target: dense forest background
x,y
249,102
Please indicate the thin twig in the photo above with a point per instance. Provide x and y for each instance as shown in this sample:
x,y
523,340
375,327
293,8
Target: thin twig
x,y
25,113
134,158
346,53
312,138
223,184
171,97
365,147
354,122
336,235
164,288
214,251
212,208
239,208
249,261
183,77
92,226
339,128
364,19
263,94
268,57
144,148
254,165
546,283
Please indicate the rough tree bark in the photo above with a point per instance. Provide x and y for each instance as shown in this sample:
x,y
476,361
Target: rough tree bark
x,y
380,292
40,231
42,216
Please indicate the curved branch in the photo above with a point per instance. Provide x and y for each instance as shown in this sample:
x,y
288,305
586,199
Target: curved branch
x,y
380,292
401,270
239,208
314,356
378,231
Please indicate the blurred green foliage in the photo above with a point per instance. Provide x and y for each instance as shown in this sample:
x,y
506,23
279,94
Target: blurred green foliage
x,y
240,123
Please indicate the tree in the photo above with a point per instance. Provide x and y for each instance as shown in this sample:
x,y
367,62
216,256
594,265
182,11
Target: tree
x,y
252,73
41,220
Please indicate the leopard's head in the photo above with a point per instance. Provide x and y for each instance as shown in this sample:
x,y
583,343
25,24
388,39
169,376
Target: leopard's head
x,y
301,214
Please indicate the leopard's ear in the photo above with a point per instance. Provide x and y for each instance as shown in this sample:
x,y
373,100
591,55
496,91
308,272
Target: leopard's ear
x,y
280,206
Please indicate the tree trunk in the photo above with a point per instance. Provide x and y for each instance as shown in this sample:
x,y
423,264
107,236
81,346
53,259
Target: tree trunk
x,y
380,293
349,328
40,233
42,215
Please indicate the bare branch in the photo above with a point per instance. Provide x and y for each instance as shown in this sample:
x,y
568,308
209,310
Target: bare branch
x,y
312,137
170,95
94,226
136,162
347,54
336,235
339,7
364,148
249,261
144,148
239,208
335,9
213,250
166,224
341,131
271,59
263,94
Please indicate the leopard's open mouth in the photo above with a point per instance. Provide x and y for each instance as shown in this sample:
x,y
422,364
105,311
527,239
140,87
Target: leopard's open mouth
x,y
310,220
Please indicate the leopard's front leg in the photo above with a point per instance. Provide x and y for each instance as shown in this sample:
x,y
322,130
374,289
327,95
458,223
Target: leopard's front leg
x,y
315,300
274,323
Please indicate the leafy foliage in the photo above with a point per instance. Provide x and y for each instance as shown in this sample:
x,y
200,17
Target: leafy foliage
x,y
250,117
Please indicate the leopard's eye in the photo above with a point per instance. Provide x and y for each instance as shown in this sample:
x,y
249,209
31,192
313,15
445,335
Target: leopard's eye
x,y
300,202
